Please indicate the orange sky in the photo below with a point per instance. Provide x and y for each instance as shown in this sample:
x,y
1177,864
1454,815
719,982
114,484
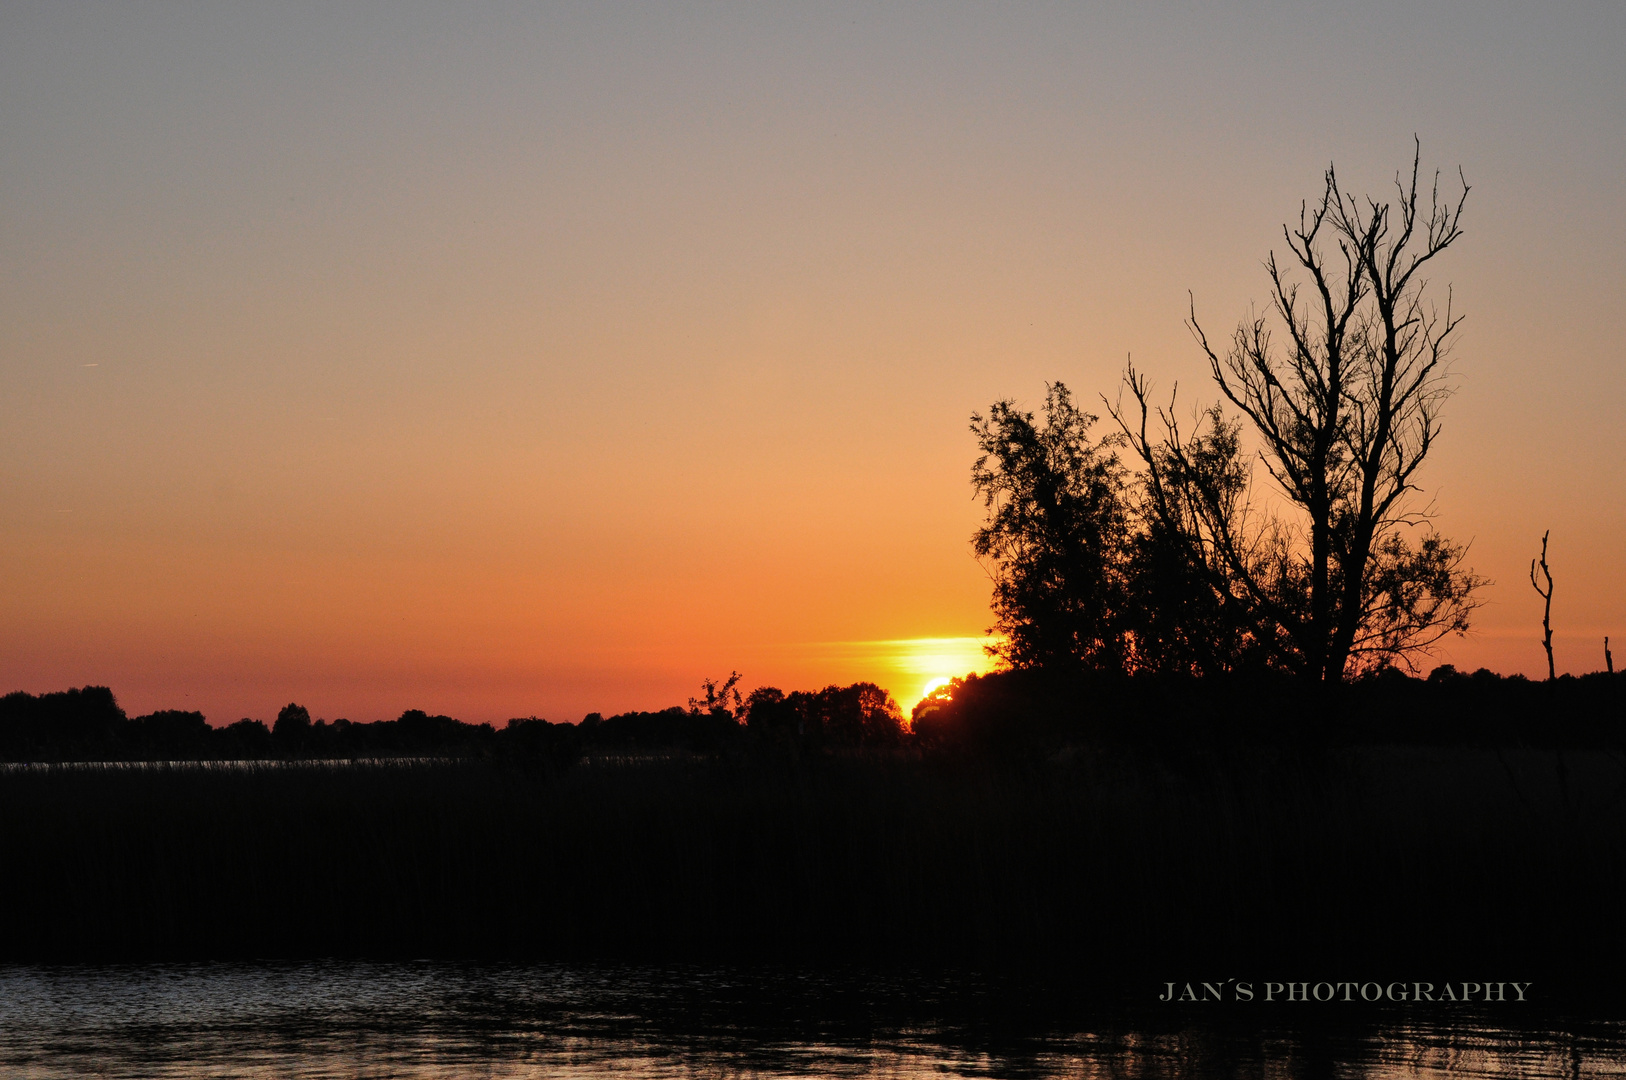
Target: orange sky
x,y
506,362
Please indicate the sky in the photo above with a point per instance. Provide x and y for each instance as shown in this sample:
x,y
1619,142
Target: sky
x,y
512,360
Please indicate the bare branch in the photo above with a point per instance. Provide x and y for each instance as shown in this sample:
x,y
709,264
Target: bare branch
x,y
1547,611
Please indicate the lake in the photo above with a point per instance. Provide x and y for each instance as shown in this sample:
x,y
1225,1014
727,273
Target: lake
x,y
344,1019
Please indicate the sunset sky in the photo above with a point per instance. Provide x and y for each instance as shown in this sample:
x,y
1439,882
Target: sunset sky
x,y
502,360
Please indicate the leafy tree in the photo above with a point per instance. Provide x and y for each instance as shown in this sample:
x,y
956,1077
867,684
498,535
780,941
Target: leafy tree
x,y
862,714
1176,623
292,730
1056,534
768,711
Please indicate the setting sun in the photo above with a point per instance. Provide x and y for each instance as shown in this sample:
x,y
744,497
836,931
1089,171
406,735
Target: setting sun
x,y
908,668
929,663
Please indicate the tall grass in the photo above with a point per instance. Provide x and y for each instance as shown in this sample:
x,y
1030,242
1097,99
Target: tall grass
x,y
1400,863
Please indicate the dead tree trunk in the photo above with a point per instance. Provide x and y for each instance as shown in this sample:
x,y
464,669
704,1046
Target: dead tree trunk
x,y
1547,614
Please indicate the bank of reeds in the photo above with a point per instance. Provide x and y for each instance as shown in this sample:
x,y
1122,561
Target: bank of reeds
x,y
1135,862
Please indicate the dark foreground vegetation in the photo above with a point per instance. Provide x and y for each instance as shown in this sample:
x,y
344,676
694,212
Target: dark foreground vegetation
x,y
1103,838
1115,863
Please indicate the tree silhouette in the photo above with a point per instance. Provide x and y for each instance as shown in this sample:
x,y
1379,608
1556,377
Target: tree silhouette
x,y
292,730
720,699
1056,534
862,714
1344,408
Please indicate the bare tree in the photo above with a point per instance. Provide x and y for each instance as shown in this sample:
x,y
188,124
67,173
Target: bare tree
x,y
1547,612
1341,382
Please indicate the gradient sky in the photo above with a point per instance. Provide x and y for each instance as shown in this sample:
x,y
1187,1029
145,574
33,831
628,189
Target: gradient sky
x,y
506,360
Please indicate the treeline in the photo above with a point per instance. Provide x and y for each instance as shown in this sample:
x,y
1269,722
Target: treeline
x,y
1019,712
89,725
1038,710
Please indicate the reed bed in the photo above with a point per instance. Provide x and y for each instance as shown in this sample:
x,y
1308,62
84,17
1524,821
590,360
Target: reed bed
x,y
1136,862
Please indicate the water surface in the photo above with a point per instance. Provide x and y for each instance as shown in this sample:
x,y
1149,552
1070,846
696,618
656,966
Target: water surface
x,y
445,1020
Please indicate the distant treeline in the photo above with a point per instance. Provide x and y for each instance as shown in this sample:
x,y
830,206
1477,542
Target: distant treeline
x,y
89,725
1035,710
1024,711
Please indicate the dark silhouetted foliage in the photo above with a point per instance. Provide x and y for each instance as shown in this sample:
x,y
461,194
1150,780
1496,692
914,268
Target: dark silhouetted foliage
x,y
292,731
1041,712
53,725
169,733
1340,384
862,714
244,740
1057,533
720,699
1182,568
1020,712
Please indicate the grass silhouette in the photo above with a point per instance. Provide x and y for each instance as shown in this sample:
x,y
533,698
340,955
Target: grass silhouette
x,y
1119,862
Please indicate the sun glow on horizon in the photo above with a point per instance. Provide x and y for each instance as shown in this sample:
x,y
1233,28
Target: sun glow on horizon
x,y
907,668
929,663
